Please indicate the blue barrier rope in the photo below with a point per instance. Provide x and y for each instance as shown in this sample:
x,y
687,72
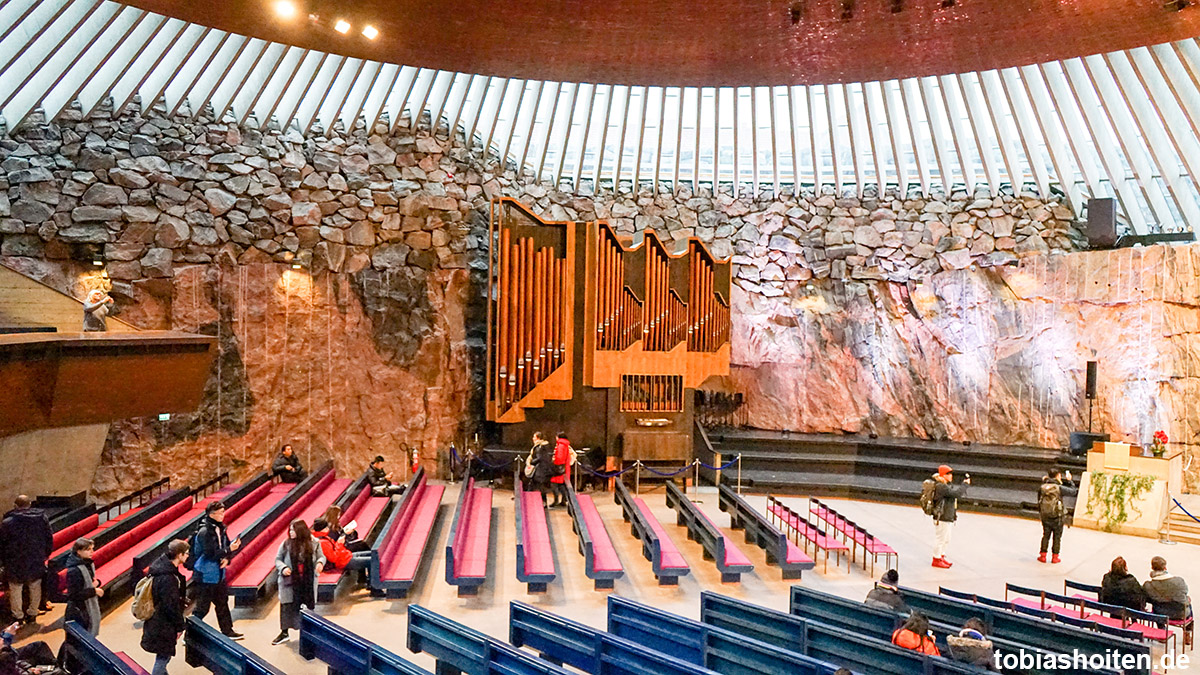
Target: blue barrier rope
x,y
728,464
457,458
601,474
1181,508
667,475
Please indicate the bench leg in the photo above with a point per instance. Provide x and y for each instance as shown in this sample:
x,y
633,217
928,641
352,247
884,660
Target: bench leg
x,y
550,659
668,581
468,591
443,668
792,574
536,587
605,584
730,577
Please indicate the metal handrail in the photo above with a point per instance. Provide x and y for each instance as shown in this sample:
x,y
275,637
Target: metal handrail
x,y
141,497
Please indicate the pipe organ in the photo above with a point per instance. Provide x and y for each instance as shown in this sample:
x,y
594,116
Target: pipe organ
x,y
582,320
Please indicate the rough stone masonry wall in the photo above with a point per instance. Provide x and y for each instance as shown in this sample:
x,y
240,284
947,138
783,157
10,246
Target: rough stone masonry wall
x,y
377,342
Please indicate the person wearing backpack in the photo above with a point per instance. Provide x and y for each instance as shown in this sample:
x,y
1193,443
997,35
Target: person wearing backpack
x,y
1052,511
563,458
161,631
83,588
943,506
212,551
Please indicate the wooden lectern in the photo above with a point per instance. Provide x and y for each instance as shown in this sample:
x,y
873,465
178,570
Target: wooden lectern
x,y
1149,512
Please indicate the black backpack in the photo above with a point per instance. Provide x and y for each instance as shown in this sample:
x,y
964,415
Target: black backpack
x,y
194,549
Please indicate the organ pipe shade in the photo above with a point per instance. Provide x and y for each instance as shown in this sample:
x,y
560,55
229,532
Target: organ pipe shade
x,y
1122,124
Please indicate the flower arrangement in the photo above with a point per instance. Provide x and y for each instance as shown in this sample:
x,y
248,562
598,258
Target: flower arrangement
x,y
1158,445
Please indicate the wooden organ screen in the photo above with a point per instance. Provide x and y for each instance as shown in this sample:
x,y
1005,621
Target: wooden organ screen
x,y
530,307
708,312
618,310
666,313
651,393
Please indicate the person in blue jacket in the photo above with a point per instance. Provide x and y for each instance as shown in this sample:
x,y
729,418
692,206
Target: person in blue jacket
x,y
211,551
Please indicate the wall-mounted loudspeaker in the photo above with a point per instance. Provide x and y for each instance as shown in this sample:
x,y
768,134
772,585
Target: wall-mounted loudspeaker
x,y
1102,222
1092,370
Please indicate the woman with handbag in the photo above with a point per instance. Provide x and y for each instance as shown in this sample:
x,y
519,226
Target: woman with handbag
x,y
299,562
539,466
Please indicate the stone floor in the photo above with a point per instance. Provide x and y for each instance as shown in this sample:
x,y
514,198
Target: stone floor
x,y
987,551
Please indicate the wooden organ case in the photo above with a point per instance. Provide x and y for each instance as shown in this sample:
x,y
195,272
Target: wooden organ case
x,y
601,336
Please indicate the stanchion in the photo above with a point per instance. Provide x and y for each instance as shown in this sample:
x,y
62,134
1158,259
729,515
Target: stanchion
x,y
1166,537
453,452
696,482
739,473
637,477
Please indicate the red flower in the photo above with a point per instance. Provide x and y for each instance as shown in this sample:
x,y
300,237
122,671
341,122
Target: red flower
x,y
1160,437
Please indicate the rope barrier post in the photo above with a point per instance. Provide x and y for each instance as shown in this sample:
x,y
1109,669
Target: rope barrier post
x,y
452,454
696,482
739,460
1166,538
637,477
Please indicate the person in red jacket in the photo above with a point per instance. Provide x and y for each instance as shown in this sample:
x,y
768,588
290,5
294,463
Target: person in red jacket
x,y
915,635
562,469
337,556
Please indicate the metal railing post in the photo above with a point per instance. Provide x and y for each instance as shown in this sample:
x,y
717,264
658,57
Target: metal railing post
x,y
696,482
739,485
637,477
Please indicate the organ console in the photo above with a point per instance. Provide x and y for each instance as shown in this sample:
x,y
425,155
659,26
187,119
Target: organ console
x,y
601,334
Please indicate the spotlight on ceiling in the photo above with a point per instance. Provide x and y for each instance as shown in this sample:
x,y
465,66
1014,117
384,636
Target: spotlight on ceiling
x,y
370,32
285,9
342,26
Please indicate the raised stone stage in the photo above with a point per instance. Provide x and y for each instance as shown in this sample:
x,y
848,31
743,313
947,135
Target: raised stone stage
x,y
1004,478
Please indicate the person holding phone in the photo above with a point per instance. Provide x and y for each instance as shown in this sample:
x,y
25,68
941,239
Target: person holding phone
x,y
945,511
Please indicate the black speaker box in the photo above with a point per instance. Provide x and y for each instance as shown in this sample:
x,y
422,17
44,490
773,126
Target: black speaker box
x,y
1081,441
1102,222
1090,388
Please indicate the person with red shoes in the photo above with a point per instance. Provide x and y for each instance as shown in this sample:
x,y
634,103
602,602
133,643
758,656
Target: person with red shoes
x,y
1052,510
945,511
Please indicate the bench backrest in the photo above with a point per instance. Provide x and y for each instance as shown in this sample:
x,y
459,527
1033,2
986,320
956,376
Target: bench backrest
x,y
85,654
701,527
821,641
704,645
581,527
645,532
173,506
469,650
387,544
259,535
79,522
205,647
345,652
751,519
589,649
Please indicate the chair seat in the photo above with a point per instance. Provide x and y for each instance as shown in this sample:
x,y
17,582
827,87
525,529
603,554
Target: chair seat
x,y
795,554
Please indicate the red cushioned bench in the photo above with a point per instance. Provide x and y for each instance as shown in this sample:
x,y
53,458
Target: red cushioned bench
x,y
367,510
400,546
164,509
854,535
1147,625
535,557
657,547
251,572
470,537
805,532
133,665
601,563
780,550
730,560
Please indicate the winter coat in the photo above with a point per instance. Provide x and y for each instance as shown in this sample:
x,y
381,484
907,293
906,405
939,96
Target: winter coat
x,y
1122,590
95,316
287,585
562,457
160,633
945,501
377,477
333,554
543,463
25,543
971,647
279,468
213,548
886,597
1168,594
918,643
82,604
1053,491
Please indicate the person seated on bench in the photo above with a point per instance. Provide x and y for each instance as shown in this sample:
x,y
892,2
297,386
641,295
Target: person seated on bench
x,y
349,538
337,556
972,646
83,588
886,595
1168,594
381,480
287,466
915,635
1119,587
35,658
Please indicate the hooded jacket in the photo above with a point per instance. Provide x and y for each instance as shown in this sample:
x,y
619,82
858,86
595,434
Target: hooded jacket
x,y
1051,492
82,604
1122,590
334,555
212,550
945,501
907,639
283,559
887,597
562,457
160,632
1168,594
972,647
279,468
25,543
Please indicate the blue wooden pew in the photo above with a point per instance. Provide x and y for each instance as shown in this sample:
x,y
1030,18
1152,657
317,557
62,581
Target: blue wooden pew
x,y
881,623
846,648
730,560
346,653
83,653
715,648
1050,635
459,649
792,560
205,647
589,649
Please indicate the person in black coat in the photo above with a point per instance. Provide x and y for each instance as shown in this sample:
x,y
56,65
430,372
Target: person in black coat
x,y
83,588
1119,587
542,458
26,542
160,633
287,466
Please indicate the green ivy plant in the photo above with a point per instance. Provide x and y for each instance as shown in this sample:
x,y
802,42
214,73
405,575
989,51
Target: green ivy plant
x,y
1111,493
